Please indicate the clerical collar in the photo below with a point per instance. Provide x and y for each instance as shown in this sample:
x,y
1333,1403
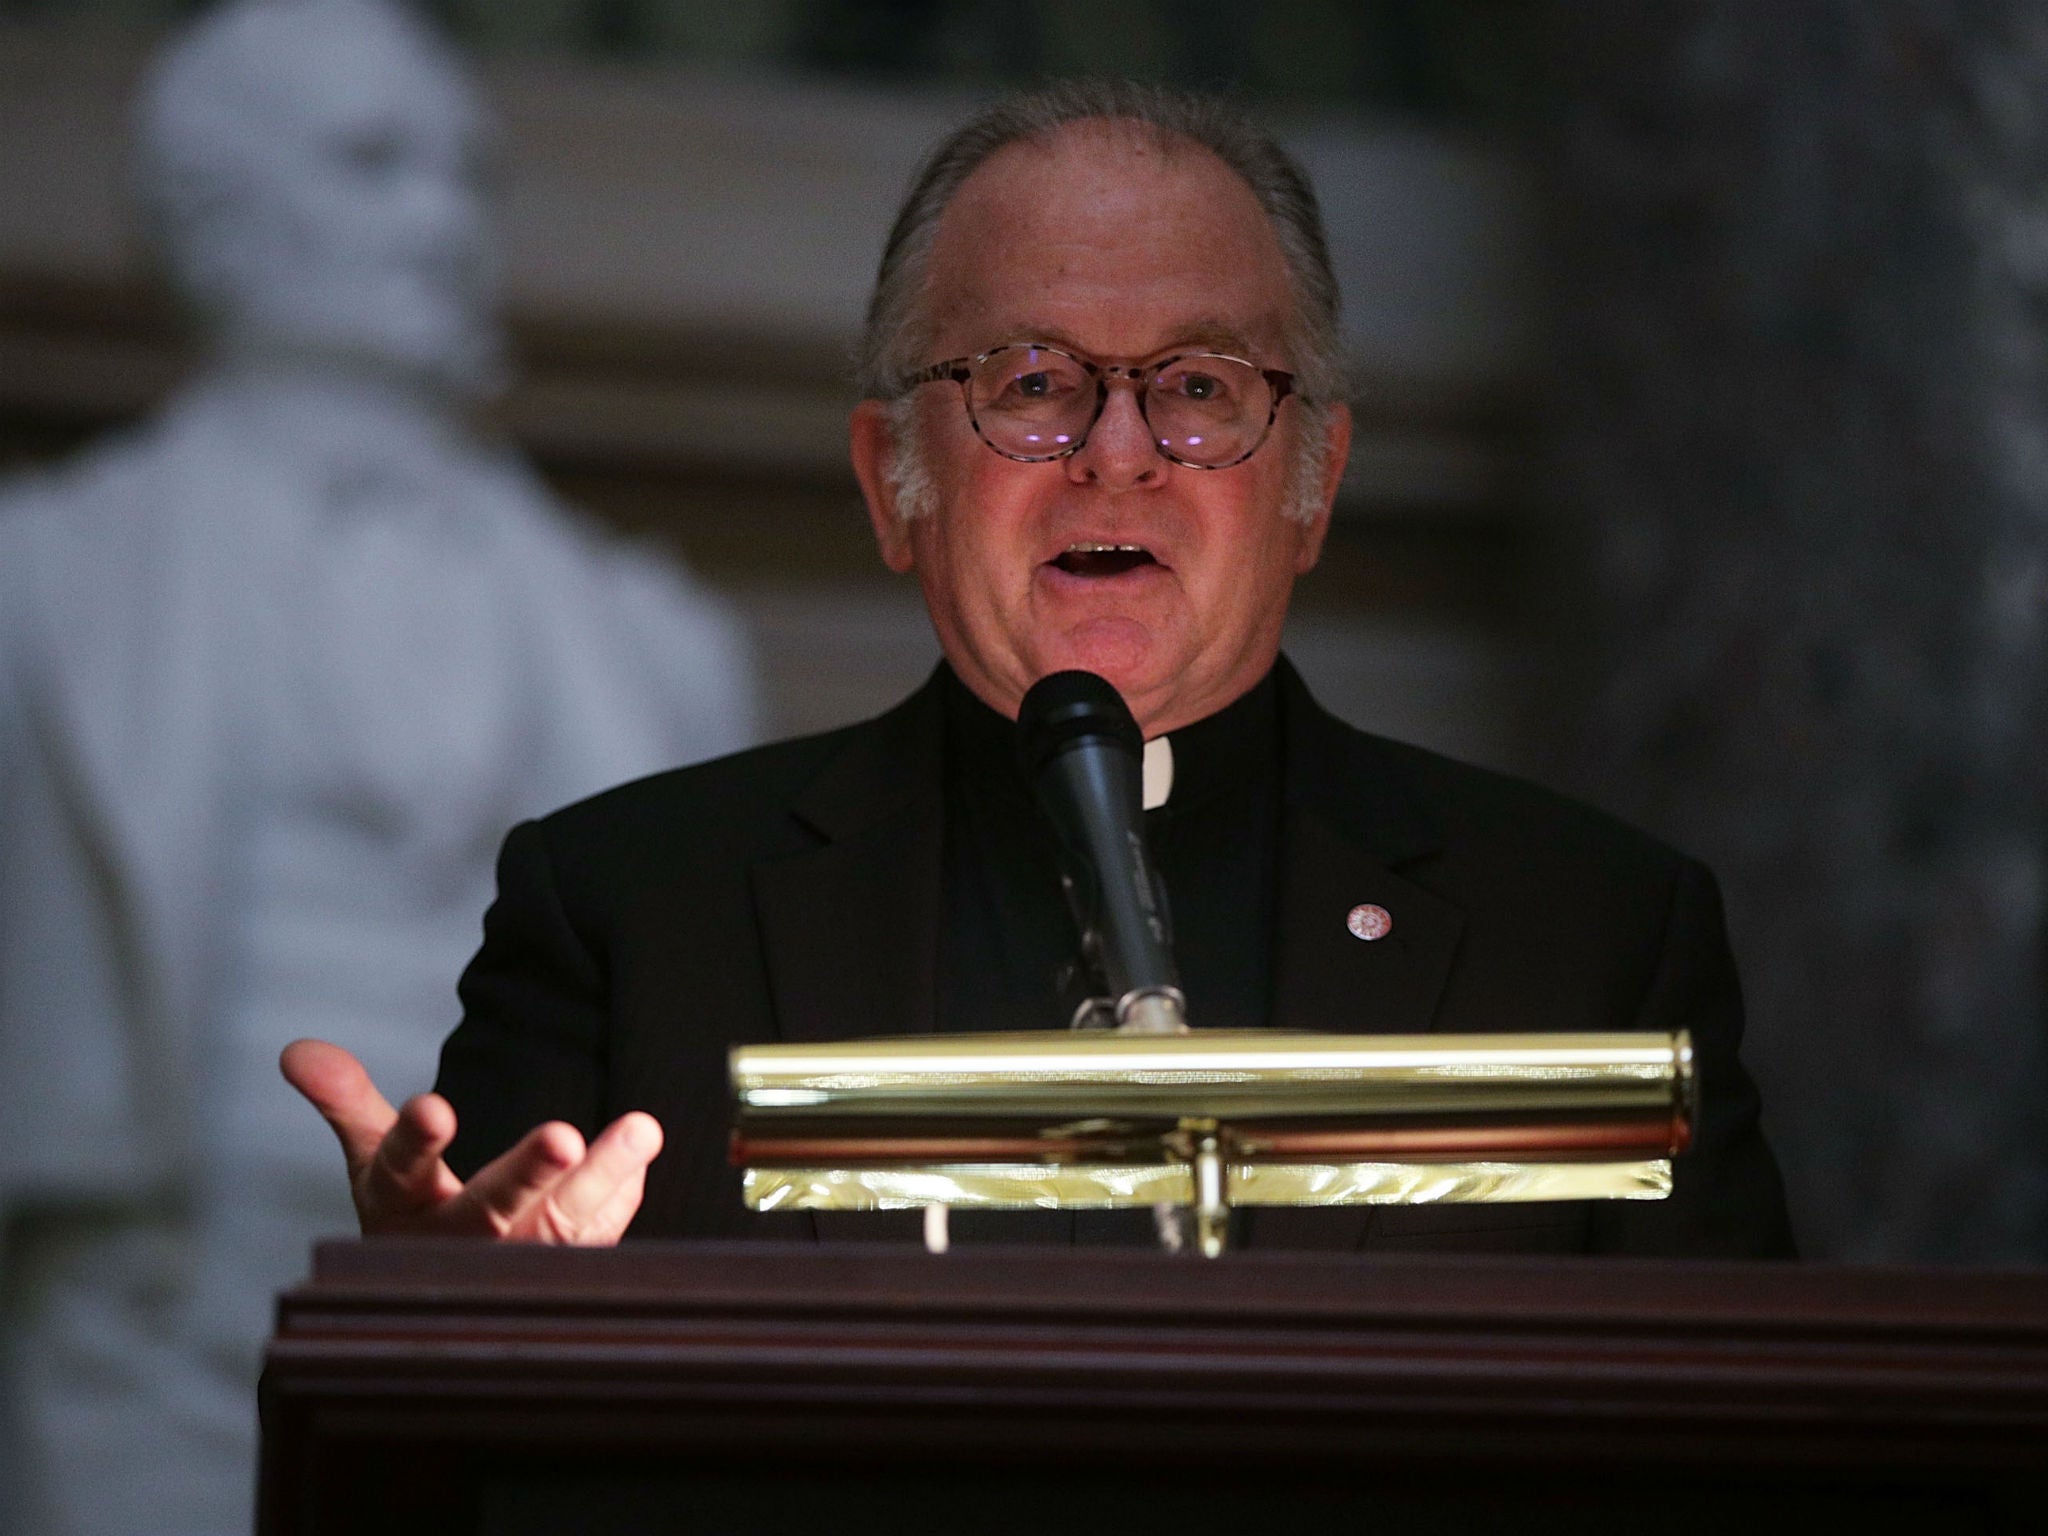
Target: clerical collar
x,y
1209,756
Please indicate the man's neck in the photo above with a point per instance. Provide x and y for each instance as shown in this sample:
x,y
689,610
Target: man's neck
x,y
1206,755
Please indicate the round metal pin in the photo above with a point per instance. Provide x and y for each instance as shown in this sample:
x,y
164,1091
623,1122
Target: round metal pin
x,y
1369,921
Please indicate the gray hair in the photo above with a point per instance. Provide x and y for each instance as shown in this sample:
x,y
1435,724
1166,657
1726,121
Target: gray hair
x,y
890,345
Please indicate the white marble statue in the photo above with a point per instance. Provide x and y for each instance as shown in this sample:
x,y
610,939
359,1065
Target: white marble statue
x,y
278,669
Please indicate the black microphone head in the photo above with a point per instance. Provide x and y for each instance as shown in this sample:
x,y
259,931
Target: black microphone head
x,y
1067,708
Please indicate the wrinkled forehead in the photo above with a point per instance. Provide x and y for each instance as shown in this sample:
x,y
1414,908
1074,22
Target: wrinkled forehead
x,y
1144,238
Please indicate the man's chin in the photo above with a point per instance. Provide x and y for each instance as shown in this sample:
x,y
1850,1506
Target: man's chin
x,y
1122,650
1165,689
1152,683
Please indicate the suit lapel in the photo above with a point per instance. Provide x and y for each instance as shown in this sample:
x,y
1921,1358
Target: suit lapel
x,y
849,929
1328,980
1348,825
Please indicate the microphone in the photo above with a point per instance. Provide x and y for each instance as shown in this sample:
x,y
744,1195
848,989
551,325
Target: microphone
x,y
1084,754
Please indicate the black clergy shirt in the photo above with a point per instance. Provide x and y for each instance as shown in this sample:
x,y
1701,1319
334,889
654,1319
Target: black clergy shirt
x,y
1008,945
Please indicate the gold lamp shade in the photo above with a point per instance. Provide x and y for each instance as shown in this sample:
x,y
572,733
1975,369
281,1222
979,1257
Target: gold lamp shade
x,y
1209,1119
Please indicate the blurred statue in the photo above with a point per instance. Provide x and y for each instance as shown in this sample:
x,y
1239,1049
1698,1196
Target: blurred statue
x,y
277,672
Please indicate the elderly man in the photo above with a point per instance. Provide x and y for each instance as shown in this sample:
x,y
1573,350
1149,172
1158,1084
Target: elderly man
x,y
1104,430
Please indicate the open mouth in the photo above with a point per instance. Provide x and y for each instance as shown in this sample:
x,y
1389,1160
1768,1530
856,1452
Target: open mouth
x,y
1102,559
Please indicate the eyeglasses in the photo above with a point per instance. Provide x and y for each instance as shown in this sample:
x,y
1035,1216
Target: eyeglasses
x,y
1035,403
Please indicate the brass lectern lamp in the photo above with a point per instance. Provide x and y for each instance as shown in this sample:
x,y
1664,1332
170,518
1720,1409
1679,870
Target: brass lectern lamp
x,y
1132,1108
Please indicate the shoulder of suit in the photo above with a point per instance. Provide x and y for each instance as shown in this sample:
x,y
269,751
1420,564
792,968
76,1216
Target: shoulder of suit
x,y
743,796
1483,808
769,773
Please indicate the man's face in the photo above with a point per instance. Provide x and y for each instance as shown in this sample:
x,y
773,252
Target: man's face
x,y
1106,245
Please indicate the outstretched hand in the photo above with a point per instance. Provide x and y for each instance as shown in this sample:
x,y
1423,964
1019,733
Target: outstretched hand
x,y
550,1188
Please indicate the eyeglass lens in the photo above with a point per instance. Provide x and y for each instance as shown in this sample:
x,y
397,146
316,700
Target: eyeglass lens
x,y
1035,403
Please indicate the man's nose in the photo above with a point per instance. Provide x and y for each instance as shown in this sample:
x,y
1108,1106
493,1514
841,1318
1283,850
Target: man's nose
x,y
1119,454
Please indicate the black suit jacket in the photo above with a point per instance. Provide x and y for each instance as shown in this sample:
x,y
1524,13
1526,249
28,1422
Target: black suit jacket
x,y
793,893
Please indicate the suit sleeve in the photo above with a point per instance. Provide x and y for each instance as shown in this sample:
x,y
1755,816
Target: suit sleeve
x,y
1727,1200
530,1046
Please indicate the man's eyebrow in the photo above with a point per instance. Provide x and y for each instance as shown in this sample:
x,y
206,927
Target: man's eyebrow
x,y
1216,336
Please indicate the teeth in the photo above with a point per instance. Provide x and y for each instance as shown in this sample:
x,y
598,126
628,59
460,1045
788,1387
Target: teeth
x,y
1105,549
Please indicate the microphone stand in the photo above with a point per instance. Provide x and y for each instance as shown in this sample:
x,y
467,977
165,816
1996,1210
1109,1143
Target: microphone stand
x,y
1084,752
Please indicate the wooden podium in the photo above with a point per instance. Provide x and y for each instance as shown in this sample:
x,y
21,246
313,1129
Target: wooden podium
x,y
421,1385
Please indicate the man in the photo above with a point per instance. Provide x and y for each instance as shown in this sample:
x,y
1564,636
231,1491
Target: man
x,y
277,668
1104,430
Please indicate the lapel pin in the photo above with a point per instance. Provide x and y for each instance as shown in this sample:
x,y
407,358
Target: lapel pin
x,y
1369,921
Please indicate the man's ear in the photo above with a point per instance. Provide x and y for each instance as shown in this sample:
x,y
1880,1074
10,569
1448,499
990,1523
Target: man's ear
x,y
873,445
1335,457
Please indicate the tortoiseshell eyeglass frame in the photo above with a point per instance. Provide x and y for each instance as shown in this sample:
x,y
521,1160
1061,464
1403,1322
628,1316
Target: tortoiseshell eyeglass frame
x,y
961,371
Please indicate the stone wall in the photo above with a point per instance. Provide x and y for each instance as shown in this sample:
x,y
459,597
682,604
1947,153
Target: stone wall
x,y
1799,415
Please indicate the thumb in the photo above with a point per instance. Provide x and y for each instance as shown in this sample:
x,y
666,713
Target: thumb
x,y
336,1084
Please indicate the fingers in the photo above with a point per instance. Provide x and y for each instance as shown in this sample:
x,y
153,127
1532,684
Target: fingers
x,y
335,1083
405,1175
507,1191
611,1219
594,1201
550,1189
395,1170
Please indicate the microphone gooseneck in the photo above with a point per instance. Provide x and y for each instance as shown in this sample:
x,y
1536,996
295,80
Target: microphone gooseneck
x,y
1084,755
